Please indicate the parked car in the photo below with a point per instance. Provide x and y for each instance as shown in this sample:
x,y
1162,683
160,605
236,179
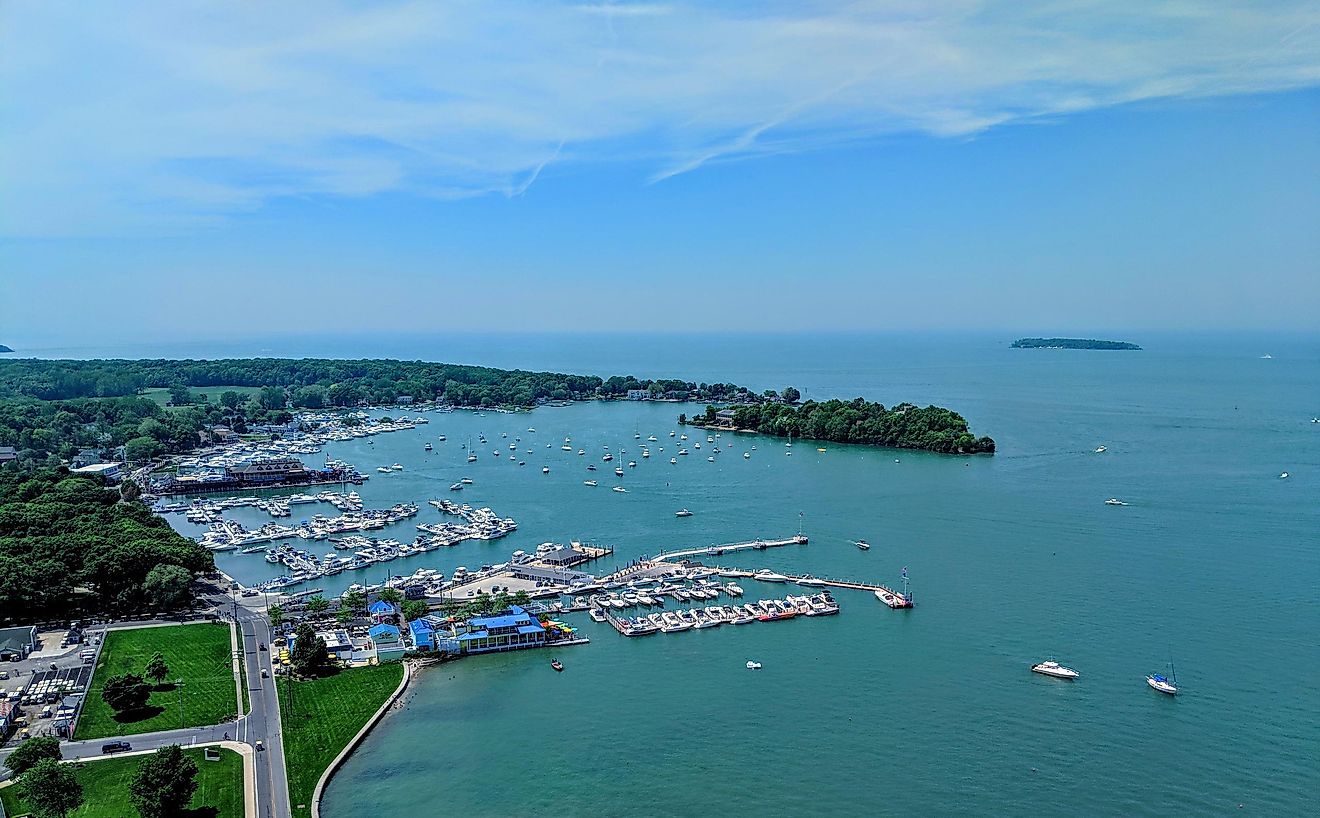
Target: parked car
x,y
116,747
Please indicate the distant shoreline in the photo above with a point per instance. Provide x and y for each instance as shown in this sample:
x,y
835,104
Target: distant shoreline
x,y
1072,343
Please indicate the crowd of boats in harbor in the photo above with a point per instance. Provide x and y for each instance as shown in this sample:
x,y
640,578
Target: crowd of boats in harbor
x,y
764,610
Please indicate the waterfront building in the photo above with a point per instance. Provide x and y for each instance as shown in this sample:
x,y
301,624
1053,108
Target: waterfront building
x,y
515,629
272,470
423,634
337,644
724,418
638,394
388,643
382,611
109,471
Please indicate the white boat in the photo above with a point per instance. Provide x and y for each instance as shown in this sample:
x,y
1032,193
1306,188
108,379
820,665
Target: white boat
x,y
588,482
618,471
397,467
545,470
863,544
753,665
581,452
710,459
682,512
1052,668
428,447
811,581
467,481
620,489
456,487
384,469
1164,684
1283,476
1114,501
746,455
767,575
596,614
566,448
673,460
1099,449
733,590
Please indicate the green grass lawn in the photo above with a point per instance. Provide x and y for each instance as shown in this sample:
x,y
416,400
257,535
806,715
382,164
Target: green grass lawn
x,y
105,788
324,715
199,654
161,394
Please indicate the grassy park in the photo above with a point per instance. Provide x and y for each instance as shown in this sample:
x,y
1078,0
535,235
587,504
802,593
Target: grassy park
x,y
161,394
321,716
199,654
105,788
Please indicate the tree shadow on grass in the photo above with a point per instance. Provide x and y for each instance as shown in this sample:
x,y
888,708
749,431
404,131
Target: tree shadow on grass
x,y
140,714
167,687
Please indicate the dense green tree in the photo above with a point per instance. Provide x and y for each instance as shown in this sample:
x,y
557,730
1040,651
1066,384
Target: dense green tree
x,y
164,783
272,397
791,395
308,656
317,605
51,789
390,595
415,609
180,394
129,490
141,449
355,601
31,751
126,693
167,586
157,670
230,399
275,613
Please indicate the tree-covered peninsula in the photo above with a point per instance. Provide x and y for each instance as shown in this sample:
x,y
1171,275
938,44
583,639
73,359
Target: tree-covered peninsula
x,y
905,426
1070,343
4,348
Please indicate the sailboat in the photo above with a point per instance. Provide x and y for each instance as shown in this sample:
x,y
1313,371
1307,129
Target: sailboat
x,y
1164,684
472,456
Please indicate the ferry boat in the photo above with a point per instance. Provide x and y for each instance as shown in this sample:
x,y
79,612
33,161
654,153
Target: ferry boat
x,y
682,513
1052,668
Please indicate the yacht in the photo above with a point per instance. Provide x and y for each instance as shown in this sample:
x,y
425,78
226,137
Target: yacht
x,y
397,466
682,512
588,482
596,614
653,438
1099,449
456,487
620,489
1052,668
646,453
632,464
811,581
733,590
581,452
1114,501
767,575
442,438
384,469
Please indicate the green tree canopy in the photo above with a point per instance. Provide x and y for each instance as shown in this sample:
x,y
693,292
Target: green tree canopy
x,y
51,789
275,613
164,783
317,605
415,609
126,693
157,670
390,595
167,586
27,754
308,656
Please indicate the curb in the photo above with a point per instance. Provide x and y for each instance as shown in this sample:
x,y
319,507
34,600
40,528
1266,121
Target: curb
x,y
357,739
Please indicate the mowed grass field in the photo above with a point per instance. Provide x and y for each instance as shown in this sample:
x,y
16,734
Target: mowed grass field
x,y
199,654
161,394
321,716
105,788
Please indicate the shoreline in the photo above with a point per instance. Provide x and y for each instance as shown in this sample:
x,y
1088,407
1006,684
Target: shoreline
x,y
319,791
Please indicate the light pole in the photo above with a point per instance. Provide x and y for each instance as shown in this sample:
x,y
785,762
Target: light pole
x,y
178,685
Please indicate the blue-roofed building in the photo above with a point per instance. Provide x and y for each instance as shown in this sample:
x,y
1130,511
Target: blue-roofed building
x,y
513,630
423,634
388,642
382,611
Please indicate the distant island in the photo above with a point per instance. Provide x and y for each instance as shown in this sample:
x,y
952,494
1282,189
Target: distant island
x,y
1070,343
4,348
905,426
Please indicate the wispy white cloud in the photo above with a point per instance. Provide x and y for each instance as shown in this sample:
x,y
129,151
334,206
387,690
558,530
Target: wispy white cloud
x,y
165,115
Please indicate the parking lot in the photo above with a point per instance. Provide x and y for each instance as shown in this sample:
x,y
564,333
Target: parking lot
x,y
46,688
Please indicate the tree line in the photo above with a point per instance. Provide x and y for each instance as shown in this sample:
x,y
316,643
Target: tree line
x,y
905,426
69,543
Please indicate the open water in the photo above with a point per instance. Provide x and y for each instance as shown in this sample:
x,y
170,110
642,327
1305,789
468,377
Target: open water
x,y
1013,558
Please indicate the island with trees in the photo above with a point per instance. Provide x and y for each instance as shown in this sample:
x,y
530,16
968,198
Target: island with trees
x,y
1070,343
905,426
4,348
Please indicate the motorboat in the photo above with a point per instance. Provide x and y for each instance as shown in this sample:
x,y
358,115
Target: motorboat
x,y
384,469
710,459
620,489
1283,476
397,466
769,576
1114,501
467,481
545,470
811,581
682,513
456,487
589,482
863,544
1099,449
746,455
618,471
1052,668
591,467
428,447
557,665
673,460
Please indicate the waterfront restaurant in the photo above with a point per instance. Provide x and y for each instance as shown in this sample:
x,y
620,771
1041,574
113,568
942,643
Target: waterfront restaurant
x,y
515,629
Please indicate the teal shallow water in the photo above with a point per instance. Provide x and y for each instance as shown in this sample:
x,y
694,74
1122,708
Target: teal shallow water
x,y
931,711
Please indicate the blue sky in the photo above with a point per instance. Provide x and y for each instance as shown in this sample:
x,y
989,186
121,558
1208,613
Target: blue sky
x,y
860,166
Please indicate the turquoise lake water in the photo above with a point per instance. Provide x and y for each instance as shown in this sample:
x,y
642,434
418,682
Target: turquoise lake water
x,y
1013,558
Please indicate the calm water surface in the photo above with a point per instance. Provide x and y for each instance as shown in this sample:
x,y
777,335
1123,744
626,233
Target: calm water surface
x,y
1013,558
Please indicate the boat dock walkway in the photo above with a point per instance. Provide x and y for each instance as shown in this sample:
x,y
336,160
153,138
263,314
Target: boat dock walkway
x,y
720,550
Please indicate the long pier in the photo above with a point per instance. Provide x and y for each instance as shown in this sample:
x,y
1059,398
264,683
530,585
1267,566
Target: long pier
x,y
720,550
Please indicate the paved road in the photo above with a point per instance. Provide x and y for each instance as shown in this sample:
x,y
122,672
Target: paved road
x,y
262,723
